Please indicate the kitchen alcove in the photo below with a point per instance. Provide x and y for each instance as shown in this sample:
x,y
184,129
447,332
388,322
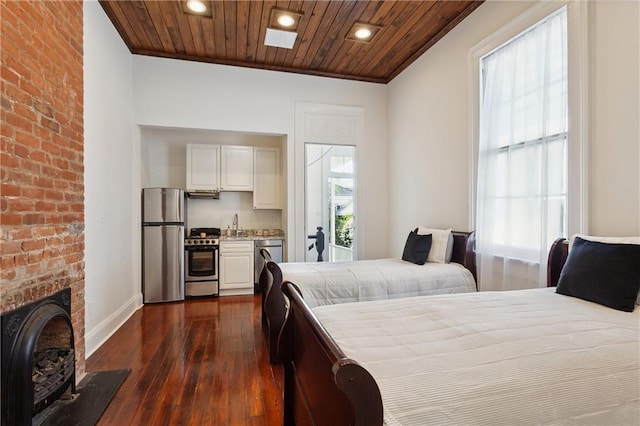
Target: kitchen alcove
x,y
163,158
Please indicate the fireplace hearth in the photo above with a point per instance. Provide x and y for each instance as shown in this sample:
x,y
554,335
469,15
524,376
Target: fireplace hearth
x,y
38,359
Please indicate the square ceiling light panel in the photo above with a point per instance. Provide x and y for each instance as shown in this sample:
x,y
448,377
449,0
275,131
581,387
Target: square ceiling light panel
x,y
278,38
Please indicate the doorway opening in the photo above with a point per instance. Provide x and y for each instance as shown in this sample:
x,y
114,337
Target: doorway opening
x,y
330,208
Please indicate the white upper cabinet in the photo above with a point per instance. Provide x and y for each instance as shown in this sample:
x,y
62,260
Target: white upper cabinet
x,y
236,168
266,178
203,172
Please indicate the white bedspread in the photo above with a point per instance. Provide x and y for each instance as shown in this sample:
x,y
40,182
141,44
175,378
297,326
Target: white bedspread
x,y
329,283
495,358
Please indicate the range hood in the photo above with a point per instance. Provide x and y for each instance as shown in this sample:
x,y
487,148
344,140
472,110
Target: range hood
x,y
214,195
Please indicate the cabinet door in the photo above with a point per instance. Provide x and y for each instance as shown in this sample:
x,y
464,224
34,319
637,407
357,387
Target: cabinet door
x,y
266,178
236,270
236,168
203,171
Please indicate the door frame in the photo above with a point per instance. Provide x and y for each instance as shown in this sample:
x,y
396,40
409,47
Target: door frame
x,y
330,125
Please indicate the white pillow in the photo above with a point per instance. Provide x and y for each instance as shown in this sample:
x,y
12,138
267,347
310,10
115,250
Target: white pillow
x,y
441,244
610,240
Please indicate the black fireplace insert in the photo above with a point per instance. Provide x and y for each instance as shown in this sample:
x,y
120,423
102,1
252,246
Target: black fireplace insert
x,y
38,357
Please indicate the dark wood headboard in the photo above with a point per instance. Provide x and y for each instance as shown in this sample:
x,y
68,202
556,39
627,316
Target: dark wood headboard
x,y
557,256
464,251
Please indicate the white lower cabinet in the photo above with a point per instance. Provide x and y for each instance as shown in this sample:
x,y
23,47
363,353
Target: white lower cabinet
x,y
236,267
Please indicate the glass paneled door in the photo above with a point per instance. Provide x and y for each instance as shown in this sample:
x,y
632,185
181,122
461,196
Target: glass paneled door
x,y
330,210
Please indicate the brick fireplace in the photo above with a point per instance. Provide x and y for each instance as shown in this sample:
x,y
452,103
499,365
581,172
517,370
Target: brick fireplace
x,y
42,157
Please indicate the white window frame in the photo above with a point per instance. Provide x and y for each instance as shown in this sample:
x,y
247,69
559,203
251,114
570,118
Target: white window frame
x,y
578,18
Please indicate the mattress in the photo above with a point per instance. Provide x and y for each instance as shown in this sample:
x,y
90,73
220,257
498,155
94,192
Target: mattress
x,y
495,358
329,283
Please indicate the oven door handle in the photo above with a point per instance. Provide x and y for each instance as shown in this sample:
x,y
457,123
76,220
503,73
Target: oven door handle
x,y
202,248
199,274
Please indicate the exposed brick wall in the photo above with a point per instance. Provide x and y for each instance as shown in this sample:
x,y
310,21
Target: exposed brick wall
x,y
42,156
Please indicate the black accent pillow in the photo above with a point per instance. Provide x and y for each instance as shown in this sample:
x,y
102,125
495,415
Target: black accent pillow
x,y
416,248
604,273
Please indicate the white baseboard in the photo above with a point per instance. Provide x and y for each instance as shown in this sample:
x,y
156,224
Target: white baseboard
x,y
96,337
236,291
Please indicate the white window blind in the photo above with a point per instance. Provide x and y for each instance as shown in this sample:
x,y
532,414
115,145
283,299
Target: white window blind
x,y
522,155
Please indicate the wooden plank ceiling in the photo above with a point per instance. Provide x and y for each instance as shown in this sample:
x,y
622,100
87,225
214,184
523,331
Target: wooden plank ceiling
x,y
235,35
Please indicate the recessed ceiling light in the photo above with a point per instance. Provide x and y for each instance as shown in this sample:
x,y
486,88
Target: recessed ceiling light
x,y
198,8
363,32
284,20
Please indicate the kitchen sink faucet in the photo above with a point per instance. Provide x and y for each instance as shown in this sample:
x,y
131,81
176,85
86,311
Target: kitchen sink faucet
x,y
235,223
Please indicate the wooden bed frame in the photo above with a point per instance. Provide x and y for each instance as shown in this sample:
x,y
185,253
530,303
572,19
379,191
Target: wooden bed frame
x,y
557,256
273,303
322,386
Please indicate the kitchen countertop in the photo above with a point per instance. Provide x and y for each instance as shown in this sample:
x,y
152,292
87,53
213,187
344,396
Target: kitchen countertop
x,y
250,235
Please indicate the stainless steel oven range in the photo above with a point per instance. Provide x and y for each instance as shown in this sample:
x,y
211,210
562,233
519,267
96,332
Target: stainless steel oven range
x,y
201,262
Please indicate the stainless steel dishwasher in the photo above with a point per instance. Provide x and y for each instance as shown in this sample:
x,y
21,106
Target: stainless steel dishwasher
x,y
275,250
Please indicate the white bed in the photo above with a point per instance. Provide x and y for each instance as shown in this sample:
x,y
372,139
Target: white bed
x,y
565,355
495,358
449,268
364,280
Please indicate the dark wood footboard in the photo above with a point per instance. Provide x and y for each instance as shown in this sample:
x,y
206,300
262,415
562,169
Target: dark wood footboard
x,y
273,298
322,385
274,309
265,280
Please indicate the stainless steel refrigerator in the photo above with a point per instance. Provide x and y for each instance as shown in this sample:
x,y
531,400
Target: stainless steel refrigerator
x,y
162,244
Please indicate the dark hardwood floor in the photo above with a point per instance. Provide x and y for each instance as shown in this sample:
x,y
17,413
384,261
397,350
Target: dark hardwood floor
x,y
199,362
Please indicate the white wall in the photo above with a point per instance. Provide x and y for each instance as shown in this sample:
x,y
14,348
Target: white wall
x,y
614,178
192,95
163,151
112,200
429,128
